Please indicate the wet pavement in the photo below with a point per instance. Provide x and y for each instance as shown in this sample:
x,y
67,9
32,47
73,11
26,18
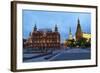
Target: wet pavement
x,y
58,55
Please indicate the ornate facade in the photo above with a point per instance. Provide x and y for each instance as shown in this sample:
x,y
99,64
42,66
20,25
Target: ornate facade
x,y
44,38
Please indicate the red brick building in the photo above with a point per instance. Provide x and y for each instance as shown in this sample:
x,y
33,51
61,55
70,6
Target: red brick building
x,y
43,38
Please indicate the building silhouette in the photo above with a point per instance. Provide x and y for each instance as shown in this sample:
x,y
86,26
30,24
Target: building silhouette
x,y
70,34
70,41
79,38
43,38
79,33
48,38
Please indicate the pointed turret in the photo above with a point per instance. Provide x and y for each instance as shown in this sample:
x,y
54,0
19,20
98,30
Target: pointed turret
x,y
79,33
35,28
70,34
56,28
79,26
70,31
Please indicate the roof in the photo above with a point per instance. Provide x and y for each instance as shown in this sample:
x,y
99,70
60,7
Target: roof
x,y
45,30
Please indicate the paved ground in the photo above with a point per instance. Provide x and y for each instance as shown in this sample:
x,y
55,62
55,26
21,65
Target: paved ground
x,y
65,54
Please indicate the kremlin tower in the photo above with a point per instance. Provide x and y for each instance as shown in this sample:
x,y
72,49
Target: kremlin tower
x,y
79,33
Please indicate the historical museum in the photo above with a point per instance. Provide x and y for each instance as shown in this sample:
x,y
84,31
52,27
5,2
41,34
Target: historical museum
x,y
43,38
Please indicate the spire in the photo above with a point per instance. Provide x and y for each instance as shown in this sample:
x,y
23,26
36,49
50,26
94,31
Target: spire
x,y
78,21
35,28
70,34
78,26
78,30
70,30
56,28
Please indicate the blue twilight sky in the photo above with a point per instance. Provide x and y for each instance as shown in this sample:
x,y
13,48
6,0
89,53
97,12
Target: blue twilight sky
x,y
48,19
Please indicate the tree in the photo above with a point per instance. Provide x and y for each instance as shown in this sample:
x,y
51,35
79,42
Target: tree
x,y
71,43
81,42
